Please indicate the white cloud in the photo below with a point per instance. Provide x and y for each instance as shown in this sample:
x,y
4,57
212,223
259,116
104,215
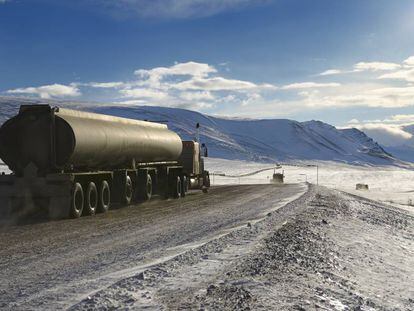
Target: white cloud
x,y
198,105
389,131
330,72
201,86
49,91
402,118
253,98
196,96
375,66
308,85
190,68
394,91
143,93
385,134
106,85
218,84
154,77
409,61
356,95
404,75
397,119
174,8
368,66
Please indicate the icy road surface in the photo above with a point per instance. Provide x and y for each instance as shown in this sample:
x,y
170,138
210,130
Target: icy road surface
x,y
54,265
388,184
242,246
324,251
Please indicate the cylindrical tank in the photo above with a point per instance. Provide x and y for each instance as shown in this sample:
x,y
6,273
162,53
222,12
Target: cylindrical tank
x,y
54,138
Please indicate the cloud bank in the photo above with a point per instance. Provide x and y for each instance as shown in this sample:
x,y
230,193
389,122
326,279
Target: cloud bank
x,y
208,88
49,91
386,134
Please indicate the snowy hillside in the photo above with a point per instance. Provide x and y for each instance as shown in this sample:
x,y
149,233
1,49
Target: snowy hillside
x,y
255,140
264,140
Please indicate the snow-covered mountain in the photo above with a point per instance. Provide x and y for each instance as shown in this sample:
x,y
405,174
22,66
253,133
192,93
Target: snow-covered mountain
x,y
257,140
264,140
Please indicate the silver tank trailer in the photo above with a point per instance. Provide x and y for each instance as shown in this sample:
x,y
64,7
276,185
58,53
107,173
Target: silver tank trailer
x,y
56,138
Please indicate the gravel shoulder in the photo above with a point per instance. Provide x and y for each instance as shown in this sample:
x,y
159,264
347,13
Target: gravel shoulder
x,y
325,250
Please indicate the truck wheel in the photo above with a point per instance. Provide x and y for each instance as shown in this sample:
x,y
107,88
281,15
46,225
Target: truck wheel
x,y
104,197
128,191
176,187
184,186
148,188
91,199
76,205
206,179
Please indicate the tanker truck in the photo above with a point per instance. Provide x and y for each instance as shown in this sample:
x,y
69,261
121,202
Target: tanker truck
x,y
70,163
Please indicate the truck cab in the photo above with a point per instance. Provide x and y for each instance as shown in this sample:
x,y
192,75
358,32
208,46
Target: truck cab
x,y
192,161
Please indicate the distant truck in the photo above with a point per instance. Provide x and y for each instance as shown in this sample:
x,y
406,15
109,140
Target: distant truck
x,y
75,163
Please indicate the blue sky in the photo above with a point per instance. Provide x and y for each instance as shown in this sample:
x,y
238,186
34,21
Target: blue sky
x,y
343,62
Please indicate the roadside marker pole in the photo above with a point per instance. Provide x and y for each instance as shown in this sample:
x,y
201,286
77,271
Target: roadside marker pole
x,y
317,175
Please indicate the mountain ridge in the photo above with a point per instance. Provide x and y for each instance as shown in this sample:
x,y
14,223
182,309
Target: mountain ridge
x,y
264,140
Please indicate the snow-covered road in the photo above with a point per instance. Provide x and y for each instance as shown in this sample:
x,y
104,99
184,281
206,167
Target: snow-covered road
x,y
326,250
53,265
388,184
247,243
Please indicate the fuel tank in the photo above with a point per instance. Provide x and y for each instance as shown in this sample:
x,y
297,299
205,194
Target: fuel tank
x,y
58,139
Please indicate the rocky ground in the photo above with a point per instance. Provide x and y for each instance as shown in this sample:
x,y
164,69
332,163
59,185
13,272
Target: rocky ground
x,y
326,250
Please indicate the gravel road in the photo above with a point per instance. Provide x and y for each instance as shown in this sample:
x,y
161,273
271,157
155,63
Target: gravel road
x,y
56,265
326,250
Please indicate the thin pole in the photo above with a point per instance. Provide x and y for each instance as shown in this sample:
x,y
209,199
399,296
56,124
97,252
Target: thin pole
x,y
198,132
317,175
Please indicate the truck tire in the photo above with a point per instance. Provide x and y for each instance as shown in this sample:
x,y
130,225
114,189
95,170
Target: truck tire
x,y
104,197
129,190
148,189
91,199
76,205
206,179
143,188
176,187
184,186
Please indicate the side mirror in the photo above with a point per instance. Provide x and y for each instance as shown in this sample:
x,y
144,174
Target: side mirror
x,y
205,150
